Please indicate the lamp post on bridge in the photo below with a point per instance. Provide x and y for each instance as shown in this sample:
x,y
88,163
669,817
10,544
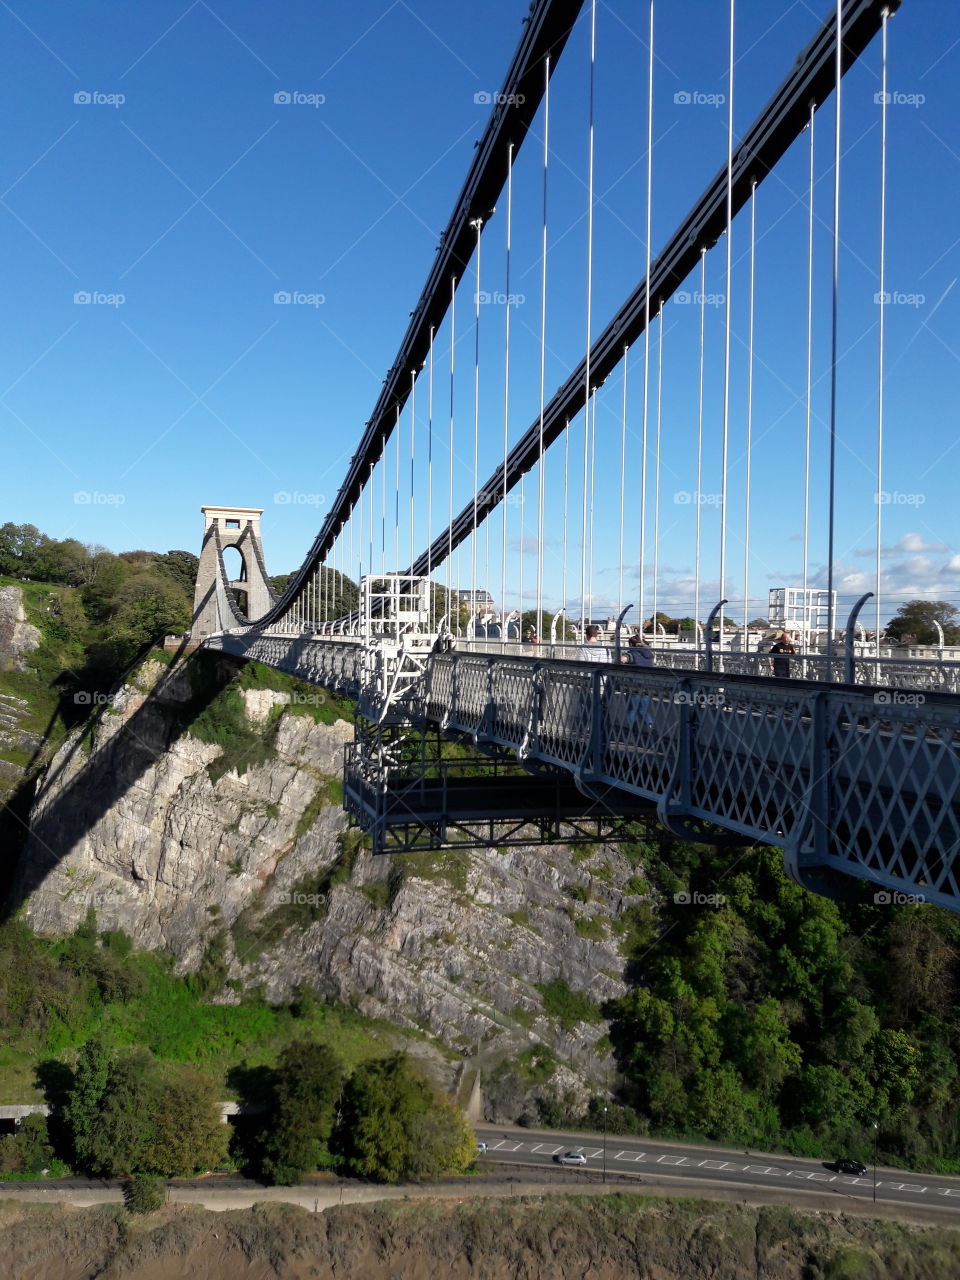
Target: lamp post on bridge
x,y
876,1135
604,1144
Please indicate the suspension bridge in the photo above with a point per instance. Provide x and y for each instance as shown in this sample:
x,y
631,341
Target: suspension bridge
x,y
849,763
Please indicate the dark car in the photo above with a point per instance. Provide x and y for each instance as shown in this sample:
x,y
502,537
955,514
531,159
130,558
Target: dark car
x,y
853,1167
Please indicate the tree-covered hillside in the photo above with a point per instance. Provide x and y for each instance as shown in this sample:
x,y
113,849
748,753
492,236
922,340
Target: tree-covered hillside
x,y
762,1014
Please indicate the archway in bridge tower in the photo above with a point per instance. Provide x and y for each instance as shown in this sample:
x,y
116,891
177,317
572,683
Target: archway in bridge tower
x,y
235,564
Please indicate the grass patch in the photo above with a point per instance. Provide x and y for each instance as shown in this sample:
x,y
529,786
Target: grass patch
x,y
519,917
591,927
567,1006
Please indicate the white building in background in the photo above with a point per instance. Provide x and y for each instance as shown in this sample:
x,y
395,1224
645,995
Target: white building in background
x,y
806,611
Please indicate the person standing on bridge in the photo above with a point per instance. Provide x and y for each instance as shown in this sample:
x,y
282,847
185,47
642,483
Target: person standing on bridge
x,y
780,653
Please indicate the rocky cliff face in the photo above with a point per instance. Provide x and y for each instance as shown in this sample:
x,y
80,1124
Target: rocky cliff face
x,y
253,870
18,639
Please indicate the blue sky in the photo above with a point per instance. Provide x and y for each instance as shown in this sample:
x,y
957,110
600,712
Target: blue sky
x,y
149,166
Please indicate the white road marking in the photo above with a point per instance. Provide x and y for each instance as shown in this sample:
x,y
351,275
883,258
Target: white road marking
x,y
948,1191
621,1155
553,1151
536,1146
906,1186
714,1164
496,1146
592,1155
671,1159
755,1168
823,1177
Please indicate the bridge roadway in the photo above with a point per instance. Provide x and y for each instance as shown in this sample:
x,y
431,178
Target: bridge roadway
x,y
689,1164
853,778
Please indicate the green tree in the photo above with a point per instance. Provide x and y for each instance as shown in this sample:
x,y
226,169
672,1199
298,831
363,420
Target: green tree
x,y
187,1131
382,1123
916,618
307,1085
33,1140
126,1113
85,1100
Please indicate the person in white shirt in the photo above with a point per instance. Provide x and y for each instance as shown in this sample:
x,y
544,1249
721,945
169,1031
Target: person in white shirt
x,y
592,650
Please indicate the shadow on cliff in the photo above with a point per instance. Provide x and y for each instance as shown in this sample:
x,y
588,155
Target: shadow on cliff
x,y
64,814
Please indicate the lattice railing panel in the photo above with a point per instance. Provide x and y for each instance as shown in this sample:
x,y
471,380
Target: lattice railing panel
x,y
895,792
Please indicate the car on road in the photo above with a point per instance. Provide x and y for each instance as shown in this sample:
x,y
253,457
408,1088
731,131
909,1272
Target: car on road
x,y
570,1157
481,1148
852,1167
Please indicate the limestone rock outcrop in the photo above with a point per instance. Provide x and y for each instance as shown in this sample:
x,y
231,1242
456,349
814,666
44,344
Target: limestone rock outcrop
x,y
257,864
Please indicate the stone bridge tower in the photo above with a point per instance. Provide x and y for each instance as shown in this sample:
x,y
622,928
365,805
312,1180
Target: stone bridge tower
x,y
230,527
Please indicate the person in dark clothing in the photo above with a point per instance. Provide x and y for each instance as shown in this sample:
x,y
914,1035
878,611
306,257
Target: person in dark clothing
x,y
780,652
638,654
